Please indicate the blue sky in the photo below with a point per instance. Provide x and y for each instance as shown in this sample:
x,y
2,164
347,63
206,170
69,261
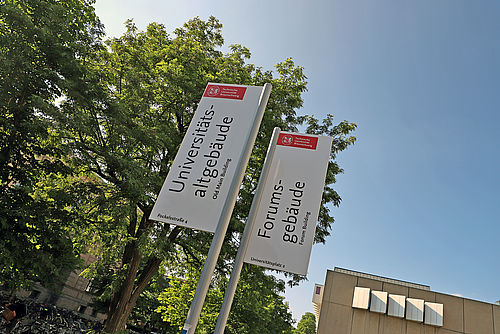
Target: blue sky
x,y
421,188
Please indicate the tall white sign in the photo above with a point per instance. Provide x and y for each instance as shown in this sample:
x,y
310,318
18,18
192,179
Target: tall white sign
x,y
199,179
285,223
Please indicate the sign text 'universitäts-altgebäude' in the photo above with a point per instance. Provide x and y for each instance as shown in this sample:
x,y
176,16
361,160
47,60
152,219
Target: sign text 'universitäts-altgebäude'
x,y
195,190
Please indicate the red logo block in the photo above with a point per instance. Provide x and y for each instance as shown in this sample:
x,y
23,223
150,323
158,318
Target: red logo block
x,y
288,139
225,92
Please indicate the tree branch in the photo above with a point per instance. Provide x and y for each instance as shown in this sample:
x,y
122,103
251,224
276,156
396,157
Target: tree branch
x,y
149,271
188,251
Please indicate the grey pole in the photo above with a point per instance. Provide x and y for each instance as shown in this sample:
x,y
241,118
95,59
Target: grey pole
x,y
209,266
238,262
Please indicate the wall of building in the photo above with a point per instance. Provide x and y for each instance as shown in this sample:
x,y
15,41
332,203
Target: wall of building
x,y
460,315
73,296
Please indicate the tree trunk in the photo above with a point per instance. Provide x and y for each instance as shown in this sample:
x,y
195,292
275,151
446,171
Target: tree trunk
x,y
119,308
124,299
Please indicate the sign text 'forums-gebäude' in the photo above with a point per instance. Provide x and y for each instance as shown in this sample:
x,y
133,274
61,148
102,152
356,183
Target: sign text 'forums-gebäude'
x,y
285,222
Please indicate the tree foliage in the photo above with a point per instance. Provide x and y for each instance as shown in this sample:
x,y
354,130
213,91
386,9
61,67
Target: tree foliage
x,y
150,83
175,301
306,325
258,306
43,47
89,132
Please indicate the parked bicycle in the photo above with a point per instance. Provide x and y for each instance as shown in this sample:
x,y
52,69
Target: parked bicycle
x,y
42,318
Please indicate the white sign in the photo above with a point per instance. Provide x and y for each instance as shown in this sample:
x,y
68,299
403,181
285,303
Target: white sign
x,y
197,184
285,223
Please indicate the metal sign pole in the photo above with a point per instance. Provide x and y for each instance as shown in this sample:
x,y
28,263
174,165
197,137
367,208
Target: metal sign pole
x,y
220,232
238,262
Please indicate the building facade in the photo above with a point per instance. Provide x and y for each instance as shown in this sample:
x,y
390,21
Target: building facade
x,y
359,303
74,295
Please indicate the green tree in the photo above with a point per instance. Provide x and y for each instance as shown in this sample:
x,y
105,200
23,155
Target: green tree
x,y
150,83
43,48
307,324
175,301
258,305
257,308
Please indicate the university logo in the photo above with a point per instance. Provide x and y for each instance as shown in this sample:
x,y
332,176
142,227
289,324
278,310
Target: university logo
x,y
213,91
287,140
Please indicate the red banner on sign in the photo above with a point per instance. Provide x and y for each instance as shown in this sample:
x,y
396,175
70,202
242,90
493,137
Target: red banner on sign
x,y
225,92
287,139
